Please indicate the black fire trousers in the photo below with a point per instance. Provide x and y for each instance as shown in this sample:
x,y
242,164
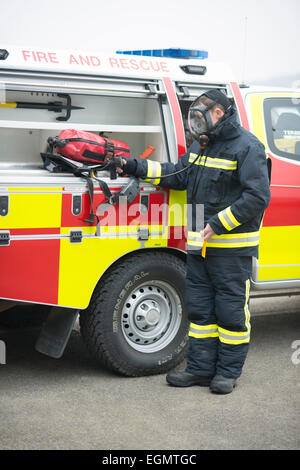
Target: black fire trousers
x,y
217,302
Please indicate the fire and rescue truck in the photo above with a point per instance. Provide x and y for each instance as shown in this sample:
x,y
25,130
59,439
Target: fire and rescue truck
x,y
125,275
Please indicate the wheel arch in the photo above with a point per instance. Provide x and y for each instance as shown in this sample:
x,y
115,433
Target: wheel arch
x,y
174,251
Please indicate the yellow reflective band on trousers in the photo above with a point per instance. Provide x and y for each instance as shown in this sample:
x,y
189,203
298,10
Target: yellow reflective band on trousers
x,y
153,172
225,336
234,337
213,162
214,331
203,331
237,240
227,219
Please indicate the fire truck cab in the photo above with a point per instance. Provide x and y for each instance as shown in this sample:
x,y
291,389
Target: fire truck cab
x,y
124,276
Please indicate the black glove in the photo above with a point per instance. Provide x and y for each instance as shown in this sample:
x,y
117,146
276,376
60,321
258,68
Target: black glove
x,y
130,166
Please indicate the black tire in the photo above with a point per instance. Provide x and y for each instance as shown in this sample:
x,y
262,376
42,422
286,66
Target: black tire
x,y
136,322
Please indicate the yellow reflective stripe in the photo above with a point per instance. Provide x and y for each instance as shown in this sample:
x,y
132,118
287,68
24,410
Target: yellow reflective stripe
x,y
227,236
149,168
224,221
227,219
233,337
213,162
153,172
246,308
215,331
195,243
203,331
236,240
238,337
233,245
8,105
195,239
192,157
231,217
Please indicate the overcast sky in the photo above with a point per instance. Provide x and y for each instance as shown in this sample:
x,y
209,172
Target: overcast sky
x,y
260,39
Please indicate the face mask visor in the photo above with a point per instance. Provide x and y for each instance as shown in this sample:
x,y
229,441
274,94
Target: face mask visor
x,y
199,120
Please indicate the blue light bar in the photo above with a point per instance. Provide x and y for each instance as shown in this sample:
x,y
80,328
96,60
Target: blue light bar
x,y
172,52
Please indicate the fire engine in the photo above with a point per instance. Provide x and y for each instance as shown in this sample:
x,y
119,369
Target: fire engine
x,y
125,275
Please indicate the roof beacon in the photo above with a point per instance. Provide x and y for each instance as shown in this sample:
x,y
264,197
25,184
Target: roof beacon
x,y
174,53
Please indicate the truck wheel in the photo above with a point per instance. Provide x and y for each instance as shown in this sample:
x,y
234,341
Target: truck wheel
x,y
136,322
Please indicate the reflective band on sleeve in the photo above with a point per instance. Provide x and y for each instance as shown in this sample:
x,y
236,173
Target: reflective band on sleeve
x,y
227,219
153,172
203,331
213,162
236,240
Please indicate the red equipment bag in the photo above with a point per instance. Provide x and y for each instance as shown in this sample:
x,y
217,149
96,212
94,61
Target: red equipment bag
x,y
88,147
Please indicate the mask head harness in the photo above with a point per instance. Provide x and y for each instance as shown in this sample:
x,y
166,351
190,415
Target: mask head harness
x,y
199,118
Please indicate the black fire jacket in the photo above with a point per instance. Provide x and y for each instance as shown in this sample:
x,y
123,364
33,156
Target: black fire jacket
x,y
230,179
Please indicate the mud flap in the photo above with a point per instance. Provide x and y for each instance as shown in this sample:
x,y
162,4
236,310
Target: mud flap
x,y
56,331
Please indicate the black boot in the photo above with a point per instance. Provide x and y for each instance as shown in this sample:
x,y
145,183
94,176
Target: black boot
x,y
185,379
222,385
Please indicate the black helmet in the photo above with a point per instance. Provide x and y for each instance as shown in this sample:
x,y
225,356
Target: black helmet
x,y
218,97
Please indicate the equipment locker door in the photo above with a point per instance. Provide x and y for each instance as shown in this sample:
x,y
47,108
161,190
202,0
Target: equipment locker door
x,y
29,252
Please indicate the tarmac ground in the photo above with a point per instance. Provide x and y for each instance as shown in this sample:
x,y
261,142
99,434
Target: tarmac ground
x,y
70,404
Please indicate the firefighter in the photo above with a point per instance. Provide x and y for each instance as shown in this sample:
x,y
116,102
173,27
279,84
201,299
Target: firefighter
x,y
229,178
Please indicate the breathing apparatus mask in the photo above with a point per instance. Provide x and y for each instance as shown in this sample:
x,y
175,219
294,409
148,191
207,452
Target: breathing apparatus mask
x,y
200,124
199,118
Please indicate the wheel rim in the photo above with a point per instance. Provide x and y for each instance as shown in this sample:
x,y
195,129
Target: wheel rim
x,y
151,316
